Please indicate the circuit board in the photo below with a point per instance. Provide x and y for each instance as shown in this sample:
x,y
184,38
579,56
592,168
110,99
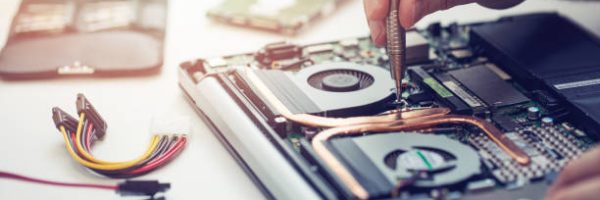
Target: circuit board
x,y
287,17
460,157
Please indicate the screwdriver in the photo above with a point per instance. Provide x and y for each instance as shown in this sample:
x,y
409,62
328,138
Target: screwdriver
x,y
396,47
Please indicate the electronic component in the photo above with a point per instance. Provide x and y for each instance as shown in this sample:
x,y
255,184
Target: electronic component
x,y
277,51
315,90
435,29
417,48
424,99
417,74
547,121
549,148
466,131
384,159
287,17
570,71
474,103
506,122
461,54
481,185
62,118
321,48
139,188
501,73
486,85
85,107
533,113
79,136
349,43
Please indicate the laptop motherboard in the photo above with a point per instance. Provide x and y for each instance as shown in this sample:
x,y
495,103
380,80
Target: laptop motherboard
x,y
489,110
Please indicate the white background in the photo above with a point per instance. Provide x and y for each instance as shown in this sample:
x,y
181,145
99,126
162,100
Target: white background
x,y
30,145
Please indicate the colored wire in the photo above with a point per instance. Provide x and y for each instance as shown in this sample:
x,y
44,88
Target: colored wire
x,y
86,155
88,137
148,188
164,158
80,139
55,183
104,166
171,150
163,144
166,150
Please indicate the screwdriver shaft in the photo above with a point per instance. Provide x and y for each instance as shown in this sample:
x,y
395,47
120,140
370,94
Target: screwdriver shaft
x,y
396,46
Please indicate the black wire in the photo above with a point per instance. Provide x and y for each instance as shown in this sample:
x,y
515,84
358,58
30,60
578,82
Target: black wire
x,y
172,142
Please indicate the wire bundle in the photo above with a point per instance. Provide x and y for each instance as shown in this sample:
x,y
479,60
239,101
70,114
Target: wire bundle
x,y
80,135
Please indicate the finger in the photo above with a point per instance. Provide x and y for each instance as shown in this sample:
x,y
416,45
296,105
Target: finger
x,y
376,12
411,11
376,9
589,189
377,32
578,170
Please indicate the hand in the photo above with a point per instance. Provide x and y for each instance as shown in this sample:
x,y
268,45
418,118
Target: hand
x,y
580,179
412,11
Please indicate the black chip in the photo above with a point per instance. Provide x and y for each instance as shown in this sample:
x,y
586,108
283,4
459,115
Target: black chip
x,y
486,85
506,123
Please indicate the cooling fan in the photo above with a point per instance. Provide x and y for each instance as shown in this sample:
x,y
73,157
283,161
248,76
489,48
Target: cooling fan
x,y
341,80
380,161
420,161
331,89
344,87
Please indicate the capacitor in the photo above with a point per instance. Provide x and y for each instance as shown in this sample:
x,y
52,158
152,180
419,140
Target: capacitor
x,y
547,121
533,113
435,29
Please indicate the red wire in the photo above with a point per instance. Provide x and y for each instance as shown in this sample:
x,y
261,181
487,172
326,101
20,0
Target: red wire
x,y
88,141
73,138
169,155
163,158
55,183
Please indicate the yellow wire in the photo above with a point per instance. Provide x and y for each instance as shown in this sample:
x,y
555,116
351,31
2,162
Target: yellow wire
x,y
113,166
90,157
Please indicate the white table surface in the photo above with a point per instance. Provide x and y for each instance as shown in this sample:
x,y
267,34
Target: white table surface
x,y
30,145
